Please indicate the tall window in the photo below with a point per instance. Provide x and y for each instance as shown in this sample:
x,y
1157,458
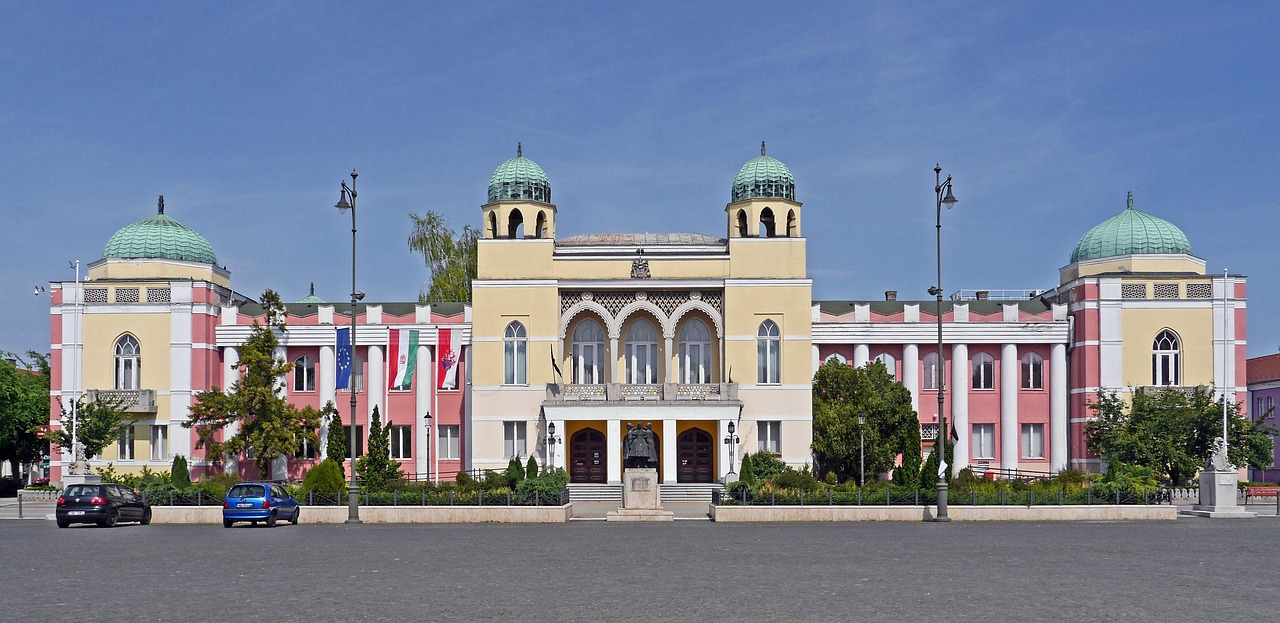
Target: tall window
x,y
514,353
401,442
889,364
588,353
128,362
124,445
836,358
642,353
1033,441
1032,371
357,373
513,440
304,374
984,441
357,442
768,355
769,435
159,442
448,445
1166,359
932,375
984,371
695,352
306,450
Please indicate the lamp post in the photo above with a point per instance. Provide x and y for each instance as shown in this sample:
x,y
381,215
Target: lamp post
x,y
940,445
552,440
862,449
427,416
347,201
731,440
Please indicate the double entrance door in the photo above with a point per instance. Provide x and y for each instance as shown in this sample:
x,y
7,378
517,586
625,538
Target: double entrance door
x,y
589,456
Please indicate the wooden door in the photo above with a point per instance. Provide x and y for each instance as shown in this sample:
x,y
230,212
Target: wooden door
x,y
588,457
695,456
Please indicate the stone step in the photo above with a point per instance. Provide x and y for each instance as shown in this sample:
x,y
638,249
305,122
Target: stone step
x,y
675,492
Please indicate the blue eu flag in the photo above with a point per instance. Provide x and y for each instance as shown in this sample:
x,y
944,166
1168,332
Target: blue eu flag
x,y
344,358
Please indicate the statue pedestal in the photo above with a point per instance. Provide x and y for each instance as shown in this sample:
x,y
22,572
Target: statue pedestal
x,y
81,479
1218,496
641,500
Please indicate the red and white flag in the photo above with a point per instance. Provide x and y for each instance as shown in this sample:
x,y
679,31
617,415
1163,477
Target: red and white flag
x,y
403,358
447,378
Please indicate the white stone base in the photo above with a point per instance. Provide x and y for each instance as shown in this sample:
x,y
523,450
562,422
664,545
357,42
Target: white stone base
x,y
1219,512
639,514
81,479
1218,497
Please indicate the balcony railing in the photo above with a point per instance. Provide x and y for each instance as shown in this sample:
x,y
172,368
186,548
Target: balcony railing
x,y
657,392
133,400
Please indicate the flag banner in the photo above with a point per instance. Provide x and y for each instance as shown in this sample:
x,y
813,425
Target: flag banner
x,y
448,358
403,359
555,367
344,359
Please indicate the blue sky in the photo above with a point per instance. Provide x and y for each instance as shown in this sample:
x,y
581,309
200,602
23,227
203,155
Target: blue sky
x,y
246,116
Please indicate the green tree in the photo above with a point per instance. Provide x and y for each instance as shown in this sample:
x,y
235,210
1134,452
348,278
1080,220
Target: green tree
x,y
840,393
531,468
514,472
335,447
99,423
450,257
375,467
326,477
179,474
267,422
748,472
24,407
1171,431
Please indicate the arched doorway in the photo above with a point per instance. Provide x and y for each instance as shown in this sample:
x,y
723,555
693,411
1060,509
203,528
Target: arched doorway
x,y
588,457
695,457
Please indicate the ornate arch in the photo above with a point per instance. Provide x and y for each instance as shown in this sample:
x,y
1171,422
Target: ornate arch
x,y
567,317
664,323
702,306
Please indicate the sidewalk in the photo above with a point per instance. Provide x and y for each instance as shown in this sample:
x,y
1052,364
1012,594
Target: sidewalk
x,y
30,509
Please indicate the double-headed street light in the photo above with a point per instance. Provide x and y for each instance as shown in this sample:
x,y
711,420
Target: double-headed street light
x,y
731,440
862,448
940,444
347,201
552,440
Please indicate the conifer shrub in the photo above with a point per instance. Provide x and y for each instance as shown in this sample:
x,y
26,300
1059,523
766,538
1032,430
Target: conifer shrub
x,y
748,471
179,474
514,473
336,443
531,468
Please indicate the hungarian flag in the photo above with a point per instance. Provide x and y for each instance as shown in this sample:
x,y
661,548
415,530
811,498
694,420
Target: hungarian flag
x,y
403,359
447,378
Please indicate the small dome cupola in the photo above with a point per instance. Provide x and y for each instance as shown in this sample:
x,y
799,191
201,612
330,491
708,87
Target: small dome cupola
x,y
159,236
1132,232
519,179
312,299
763,177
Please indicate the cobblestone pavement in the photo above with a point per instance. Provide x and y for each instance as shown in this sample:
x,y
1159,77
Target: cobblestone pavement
x,y
1189,569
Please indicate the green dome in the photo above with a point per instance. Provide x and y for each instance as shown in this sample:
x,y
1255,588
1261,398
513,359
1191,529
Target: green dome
x,y
312,298
520,179
1128,233
764,177
159,236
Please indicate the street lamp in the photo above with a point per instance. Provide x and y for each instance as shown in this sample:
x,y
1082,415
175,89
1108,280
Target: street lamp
x,y
940,445
347,201
862,448
427,416
552,440
731,440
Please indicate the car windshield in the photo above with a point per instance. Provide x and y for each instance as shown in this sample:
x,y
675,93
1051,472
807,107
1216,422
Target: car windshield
x,y
76,491
246,491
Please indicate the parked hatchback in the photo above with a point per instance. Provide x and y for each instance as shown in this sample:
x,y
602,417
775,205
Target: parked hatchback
x,y
104,504
259,501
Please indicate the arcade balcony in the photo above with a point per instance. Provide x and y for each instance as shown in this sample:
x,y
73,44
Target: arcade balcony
x,y
133,400
652,393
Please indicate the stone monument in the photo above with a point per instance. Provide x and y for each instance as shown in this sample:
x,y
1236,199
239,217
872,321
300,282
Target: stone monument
x,y
641,495
1218,491
78,471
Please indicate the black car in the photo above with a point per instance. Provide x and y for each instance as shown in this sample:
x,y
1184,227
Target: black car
x,y
106,505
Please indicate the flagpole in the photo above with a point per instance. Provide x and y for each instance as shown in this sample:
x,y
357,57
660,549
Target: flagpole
x,y
1226,344
435,408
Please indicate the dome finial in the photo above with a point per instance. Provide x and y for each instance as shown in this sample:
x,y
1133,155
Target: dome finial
x,y
160,205
519,150
313,288
761,148
1130,200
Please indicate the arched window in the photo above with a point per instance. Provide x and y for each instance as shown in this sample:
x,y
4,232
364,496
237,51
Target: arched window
x,y
541,228
1166,359
128,362
932,378
836,358
695,352
588,353
742,223
984,371
304,374
767,227
1032,371
514,355
493,224
642,353
793,229
768,355
890,364
515,224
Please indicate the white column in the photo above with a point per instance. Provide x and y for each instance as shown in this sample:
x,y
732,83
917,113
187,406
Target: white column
x,y
1009,406
612,439
817,362
376,386
861,353
959,407
1058,407
669,451
327,383
230,374
911,373
673,365
615,372
422,429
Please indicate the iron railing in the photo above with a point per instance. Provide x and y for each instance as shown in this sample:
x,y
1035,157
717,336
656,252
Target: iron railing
x,y
916,497
380,498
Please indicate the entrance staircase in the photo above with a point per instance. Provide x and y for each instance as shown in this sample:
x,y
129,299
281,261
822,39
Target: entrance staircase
x,y
673,492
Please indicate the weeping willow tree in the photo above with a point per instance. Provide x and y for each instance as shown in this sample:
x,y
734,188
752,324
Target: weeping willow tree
x,y
450,256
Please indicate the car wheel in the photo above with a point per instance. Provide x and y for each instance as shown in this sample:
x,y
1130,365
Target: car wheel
x,y
113,517
296,511
146,517
226,523
63,524
271,520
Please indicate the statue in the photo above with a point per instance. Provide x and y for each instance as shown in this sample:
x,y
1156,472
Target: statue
x,y
1218,460
652,441
79,466
639,448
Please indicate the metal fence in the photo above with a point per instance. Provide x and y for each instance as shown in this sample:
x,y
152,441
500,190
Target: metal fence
x,y
918,497
380,498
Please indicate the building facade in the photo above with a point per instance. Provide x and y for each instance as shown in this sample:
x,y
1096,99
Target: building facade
x,y
1264,394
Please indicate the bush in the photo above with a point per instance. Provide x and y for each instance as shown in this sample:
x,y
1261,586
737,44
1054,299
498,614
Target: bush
x,y
766,464
326,477
831,479
464,480
801,480
548,486
179,475
531,469
748,475
514,473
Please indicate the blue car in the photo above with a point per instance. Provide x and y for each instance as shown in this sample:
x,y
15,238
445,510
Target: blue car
x,y
259,501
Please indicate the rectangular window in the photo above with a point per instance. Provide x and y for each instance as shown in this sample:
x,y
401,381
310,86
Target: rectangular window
x,y
984,441
448,445
306,450
1032,372
1033,441
159,442
124,445
513,440
357,443
932,375
401,442
770,436
357,374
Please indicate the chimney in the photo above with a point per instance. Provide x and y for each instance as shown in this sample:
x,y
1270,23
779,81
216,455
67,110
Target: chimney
x,y
890,295
983,294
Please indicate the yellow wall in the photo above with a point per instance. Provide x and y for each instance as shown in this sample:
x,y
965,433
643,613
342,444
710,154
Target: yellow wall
x,y
1135,264
1194,328
157,269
